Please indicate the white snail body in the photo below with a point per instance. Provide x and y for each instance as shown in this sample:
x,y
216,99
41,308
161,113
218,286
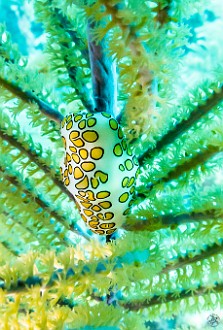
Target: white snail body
x,y
99,169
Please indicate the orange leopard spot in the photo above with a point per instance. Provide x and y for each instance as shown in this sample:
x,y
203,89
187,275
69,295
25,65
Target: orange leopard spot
x,y
73,149
67,181
83,217
93,224
110,231
96,208
117,150
97,153
82,193
131,181
94,183
105,205
78,117
106,216
76,158
64,142
126,212
82,124
88,166
90,136
69,125
121,167
103,177
83,153
83,184
132,190
129,164
90,195
124,144
91,122
81,198
125,181
88,213
123,198
78,143
86,205
120,133
113,124
78,174
105,114
103,194
73,135
68,158
109,215
70,169
107,225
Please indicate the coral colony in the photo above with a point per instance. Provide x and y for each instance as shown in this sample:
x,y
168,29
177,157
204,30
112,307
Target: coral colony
x,y
111,173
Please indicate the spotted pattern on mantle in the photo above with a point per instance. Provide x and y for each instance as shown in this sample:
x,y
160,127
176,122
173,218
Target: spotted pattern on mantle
x,y
98,169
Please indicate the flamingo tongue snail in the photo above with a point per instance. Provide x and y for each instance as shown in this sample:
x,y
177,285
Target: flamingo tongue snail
x,y
99,169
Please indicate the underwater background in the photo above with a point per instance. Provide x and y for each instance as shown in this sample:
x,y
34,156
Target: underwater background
x,y
155,66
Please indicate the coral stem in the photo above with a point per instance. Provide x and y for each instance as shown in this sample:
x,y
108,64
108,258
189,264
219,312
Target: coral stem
x,y
43,204
79,86
28,96
210,251
192,163
133,224
103,74
155,300
184,125
35,159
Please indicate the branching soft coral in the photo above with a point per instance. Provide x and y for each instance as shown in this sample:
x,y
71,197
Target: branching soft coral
x,y
125,58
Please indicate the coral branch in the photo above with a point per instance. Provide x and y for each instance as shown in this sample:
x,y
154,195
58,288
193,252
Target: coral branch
x,y
210,251
185,125
133,224
22,285
9,248
79,42
190,164
42,203
103,74
133,41
45,205
27,97
35,159
8,215
157,300
80,88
